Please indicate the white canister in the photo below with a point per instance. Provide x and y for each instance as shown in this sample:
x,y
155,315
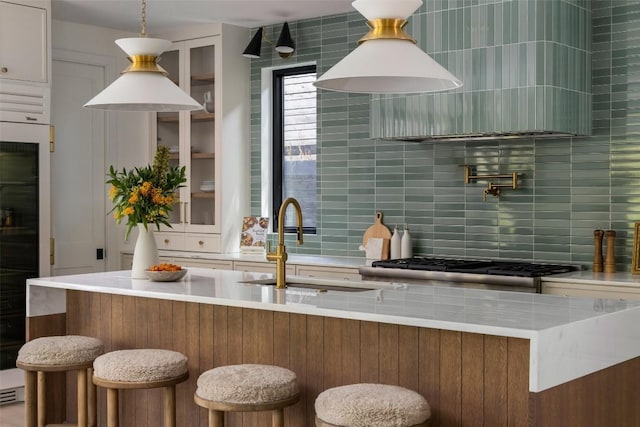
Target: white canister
x,y
396,251
406,246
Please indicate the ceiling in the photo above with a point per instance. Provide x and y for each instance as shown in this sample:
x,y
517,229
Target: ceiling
x,y
166,14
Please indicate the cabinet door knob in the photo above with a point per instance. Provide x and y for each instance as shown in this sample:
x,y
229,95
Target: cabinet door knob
x,y
166,241
200,242
5,70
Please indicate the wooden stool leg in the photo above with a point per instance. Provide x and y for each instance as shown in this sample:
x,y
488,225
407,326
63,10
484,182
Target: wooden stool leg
x,y
82,397
169,405
30,398
42,402
216,418
277,417
113,419
92,419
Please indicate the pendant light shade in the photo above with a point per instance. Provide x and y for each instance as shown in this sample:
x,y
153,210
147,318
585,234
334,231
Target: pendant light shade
x,y
387,59
285,46
285,43
143,86
255,45
143,92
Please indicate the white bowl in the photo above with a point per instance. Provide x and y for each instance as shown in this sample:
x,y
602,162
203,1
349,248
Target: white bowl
x,y
207,188
166,276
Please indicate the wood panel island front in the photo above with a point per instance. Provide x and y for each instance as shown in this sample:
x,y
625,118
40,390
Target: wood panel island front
x,y
479,357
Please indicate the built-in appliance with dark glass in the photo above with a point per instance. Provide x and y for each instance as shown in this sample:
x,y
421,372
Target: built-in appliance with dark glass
x,y
19,241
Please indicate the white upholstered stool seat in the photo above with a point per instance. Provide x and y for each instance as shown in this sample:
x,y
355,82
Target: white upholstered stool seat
x,y
371,405
246,388
140,369
58,354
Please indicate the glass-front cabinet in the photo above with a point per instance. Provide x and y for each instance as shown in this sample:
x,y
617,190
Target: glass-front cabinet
x,y
212,143
192,139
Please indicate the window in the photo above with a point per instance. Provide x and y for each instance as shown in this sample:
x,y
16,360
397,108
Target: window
x,y
294,144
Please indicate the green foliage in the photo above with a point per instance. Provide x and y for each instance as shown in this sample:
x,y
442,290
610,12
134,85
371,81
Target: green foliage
x,y
146,194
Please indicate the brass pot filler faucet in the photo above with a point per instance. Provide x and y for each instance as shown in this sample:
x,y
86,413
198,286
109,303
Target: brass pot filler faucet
x,y
492,188
280,255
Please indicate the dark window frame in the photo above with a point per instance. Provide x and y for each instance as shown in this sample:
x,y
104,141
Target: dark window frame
x,y
277,143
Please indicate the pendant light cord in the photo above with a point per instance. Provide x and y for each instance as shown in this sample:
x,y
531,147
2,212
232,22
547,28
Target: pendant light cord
x,y
143,32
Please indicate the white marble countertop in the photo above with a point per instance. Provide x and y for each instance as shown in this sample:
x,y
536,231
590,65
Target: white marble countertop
x,y
569,337
622,278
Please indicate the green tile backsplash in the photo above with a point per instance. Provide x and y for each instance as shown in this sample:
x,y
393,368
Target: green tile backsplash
x,y
569,186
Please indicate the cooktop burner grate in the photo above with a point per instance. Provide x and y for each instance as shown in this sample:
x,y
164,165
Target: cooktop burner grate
x,y
503,268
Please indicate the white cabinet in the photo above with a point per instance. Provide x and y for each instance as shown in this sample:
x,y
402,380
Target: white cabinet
x,y
261,267
23,42
591,290
338,273
212,144
215,264
25,58
191,137
175,241
126,261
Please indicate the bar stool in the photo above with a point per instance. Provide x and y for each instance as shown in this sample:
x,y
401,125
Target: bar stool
x,y
371,405
59,354
140,369
246,388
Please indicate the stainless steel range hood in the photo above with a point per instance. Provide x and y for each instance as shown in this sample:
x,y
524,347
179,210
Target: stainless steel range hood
x,y
526,68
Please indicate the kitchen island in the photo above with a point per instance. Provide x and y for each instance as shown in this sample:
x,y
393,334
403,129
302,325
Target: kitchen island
x,y
498,358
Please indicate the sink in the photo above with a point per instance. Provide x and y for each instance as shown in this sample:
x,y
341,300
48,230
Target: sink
x,y
320,285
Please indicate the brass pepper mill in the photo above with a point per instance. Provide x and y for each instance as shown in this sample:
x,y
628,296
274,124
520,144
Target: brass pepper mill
x,y
610,259
597,251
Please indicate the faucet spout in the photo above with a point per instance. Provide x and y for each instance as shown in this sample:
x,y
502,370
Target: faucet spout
x,y
280,255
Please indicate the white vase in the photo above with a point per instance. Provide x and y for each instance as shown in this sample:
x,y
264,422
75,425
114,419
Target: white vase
x,y
145,254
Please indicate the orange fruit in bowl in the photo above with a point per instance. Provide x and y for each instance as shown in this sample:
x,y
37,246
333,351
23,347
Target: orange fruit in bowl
x,y
165,267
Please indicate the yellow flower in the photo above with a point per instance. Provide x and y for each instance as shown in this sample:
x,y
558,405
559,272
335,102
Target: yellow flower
x,y
127,211
156,197
146,188
133,199
116,215
113,192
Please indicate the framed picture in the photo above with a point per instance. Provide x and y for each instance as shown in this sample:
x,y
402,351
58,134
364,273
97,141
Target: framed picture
x,y
635,261
254,234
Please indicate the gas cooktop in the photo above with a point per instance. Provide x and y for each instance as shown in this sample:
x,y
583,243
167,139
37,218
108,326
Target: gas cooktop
x,y
502,268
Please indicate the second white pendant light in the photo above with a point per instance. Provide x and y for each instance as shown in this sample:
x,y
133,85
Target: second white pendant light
x,y
387,59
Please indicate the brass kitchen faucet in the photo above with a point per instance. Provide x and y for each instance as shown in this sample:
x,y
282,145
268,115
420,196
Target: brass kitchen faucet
x,y
280,255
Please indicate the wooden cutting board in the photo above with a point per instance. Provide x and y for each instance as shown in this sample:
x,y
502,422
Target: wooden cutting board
x,y
378,230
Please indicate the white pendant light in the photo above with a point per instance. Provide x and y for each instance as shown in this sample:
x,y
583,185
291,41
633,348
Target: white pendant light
x,y
387,59
143,86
